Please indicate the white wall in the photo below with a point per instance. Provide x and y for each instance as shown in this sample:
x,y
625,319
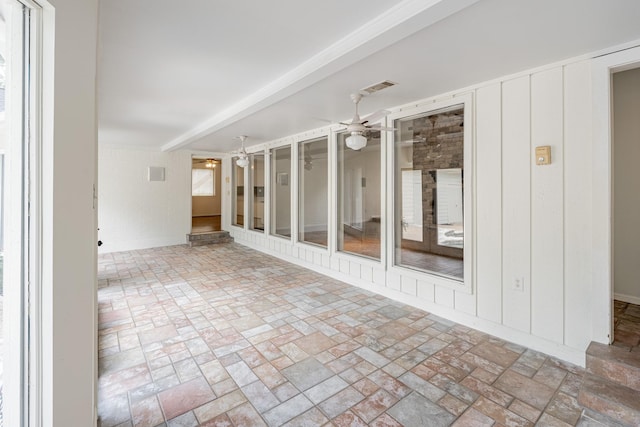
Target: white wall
x,y
531,223
69,240
626,149
135,213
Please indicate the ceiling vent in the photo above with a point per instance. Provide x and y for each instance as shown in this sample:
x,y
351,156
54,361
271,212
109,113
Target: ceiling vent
x,y
377,87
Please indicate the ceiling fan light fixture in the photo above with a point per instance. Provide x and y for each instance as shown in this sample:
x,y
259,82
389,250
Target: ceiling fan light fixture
x,y
242,161
210,164
356,141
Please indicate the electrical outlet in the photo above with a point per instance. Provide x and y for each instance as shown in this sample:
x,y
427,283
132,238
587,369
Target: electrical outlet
x,y
518,284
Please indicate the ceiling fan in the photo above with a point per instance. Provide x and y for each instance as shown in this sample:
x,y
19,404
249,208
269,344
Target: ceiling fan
x,y
243,157
359,126
208,163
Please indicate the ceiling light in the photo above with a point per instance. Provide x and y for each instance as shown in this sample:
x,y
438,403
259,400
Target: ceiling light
x,y
210,164
356,141
243,158
242,162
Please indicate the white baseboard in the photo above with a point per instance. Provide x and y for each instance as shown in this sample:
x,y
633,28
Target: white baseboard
x,y
627,298
569,354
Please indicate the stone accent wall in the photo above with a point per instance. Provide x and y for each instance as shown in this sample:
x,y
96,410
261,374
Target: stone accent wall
x,y
438,144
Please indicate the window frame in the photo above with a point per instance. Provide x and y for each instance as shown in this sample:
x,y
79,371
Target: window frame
x,y
466,284
337,214
272,181
299,166
212,172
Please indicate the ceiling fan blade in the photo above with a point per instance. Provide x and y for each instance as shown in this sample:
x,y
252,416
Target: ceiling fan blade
x,y
376,127
374,117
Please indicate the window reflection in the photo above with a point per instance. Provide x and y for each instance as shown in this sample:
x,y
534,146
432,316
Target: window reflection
x,y
256,175
429,160
359,197
313,167
281,192
237,205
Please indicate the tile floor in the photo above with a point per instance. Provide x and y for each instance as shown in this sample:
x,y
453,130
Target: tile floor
x,y
626,320
226,336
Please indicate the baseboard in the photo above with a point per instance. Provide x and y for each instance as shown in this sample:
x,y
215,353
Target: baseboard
x,y
569,354
627,298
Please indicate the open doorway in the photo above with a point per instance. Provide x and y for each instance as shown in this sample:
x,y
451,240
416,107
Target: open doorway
x,y
626,207
206,195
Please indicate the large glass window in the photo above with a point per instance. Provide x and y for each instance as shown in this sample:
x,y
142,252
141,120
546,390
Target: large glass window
x,y
237,203
256,176
313,167
429,160
203,182
281,192
359,186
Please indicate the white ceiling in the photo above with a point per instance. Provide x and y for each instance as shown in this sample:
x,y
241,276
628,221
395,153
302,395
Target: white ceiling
x,y
195,73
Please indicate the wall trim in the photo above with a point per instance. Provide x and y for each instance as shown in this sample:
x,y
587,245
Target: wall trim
x,y
602,189
627,298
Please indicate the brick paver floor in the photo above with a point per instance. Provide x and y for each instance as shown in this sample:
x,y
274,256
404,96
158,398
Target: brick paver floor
x,y
227,336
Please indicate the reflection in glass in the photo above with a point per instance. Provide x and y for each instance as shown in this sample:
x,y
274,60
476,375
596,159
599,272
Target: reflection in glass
x,y
281,192
429,160
313,167
237,201
256,177
359,197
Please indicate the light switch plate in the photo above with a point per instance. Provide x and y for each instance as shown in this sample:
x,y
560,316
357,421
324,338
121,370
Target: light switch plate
x,y
543,155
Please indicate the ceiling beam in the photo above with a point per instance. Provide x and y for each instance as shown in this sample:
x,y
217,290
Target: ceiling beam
x,y
402,20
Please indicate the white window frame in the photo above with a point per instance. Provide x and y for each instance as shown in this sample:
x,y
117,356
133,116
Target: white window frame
x,y
24,370
466,284
212,174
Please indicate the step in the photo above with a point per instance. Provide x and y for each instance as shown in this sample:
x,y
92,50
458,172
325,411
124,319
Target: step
x,y
208,238
616,364
616,401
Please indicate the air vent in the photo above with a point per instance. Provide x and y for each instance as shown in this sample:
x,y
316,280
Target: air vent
x,y
377,87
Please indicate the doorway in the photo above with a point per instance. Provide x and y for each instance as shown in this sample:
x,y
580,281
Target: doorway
x,y
206,195
626,206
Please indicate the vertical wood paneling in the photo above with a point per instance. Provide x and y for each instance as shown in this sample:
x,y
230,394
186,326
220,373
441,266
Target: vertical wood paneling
x,y
426,291
354,269
344,266
488,204
547,213
466,302
516,199
366,273
444,296
393,280
577,202
409,285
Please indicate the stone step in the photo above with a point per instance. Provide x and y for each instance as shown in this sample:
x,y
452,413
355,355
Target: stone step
x,y
208,238
616,364
616,401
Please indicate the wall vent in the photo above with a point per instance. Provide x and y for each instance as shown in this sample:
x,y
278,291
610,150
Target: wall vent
x,y
377,87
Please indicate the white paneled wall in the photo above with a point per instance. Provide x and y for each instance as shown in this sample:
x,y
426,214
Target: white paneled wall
x,y
531,224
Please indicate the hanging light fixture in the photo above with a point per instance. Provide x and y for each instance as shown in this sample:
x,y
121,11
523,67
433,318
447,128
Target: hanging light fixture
x,y
243,159
356,141
210,164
